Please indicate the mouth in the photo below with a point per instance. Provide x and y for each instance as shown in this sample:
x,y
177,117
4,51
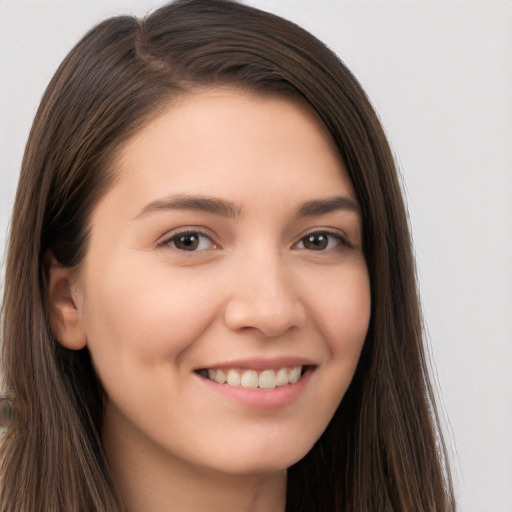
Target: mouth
x,y
256,379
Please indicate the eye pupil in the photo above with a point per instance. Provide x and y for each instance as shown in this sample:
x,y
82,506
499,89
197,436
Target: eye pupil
x,y
316,241
187,242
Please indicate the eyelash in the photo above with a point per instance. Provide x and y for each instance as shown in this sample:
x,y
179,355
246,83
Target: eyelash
x,y
171,241
340,240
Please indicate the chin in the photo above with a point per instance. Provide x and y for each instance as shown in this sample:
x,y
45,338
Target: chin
x,y
265,460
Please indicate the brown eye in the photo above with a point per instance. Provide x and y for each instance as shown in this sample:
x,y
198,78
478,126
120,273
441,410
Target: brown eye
x,y
186,242
316,241
323,241
190,241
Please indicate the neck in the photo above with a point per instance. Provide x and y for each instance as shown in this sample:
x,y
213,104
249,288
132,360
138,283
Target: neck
x,y
148,479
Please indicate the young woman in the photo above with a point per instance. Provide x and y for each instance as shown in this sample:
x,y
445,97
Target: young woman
x,y
210,298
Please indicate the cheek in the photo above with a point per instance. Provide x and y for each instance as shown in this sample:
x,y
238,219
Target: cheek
x,y
343,309
343,315
151,316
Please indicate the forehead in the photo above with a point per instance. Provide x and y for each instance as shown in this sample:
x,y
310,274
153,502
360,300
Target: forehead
x,y
235,145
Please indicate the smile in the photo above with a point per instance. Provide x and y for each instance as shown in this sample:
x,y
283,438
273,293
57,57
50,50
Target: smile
x,y
252,379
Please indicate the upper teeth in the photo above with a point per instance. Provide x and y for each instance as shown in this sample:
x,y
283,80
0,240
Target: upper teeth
x,y
251,379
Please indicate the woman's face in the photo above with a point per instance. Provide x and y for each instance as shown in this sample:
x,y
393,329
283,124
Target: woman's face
x,y
229,248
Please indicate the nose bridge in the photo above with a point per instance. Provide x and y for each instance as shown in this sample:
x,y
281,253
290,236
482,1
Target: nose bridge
x,y
264,295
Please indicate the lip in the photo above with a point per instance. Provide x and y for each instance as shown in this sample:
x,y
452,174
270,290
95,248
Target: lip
x,y
263,399
260,364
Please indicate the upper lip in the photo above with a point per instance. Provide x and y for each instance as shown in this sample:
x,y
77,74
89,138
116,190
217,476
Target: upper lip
x,y
262,363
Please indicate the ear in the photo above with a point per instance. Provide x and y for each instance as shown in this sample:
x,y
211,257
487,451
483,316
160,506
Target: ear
x,y
61,294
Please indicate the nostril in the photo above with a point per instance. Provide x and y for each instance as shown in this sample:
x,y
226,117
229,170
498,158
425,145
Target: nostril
x,y
271,318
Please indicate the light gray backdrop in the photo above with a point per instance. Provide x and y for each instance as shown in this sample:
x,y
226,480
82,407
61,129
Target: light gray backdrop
x,y
440,75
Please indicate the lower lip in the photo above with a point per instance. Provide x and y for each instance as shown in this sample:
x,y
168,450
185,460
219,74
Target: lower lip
x,y
266,399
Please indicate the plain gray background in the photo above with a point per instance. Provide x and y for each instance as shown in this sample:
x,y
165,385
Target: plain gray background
x,y
440,76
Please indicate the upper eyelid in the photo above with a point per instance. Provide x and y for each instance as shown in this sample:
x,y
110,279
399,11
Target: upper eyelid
x,y
163,240
327,230
201,230
337,233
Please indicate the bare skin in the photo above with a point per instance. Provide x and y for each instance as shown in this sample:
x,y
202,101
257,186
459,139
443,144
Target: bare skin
x,y
230,248
141,484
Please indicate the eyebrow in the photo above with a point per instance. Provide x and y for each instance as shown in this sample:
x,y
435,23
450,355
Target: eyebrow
x,y
233,210
328,205
192,202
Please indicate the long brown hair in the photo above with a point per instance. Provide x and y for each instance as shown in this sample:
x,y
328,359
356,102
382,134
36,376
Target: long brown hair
x,y
383,450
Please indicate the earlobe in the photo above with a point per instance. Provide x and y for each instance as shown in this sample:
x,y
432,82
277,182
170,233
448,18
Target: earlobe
x,y
64,315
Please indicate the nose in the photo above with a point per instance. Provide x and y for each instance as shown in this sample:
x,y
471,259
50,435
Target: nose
x,y
263,296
